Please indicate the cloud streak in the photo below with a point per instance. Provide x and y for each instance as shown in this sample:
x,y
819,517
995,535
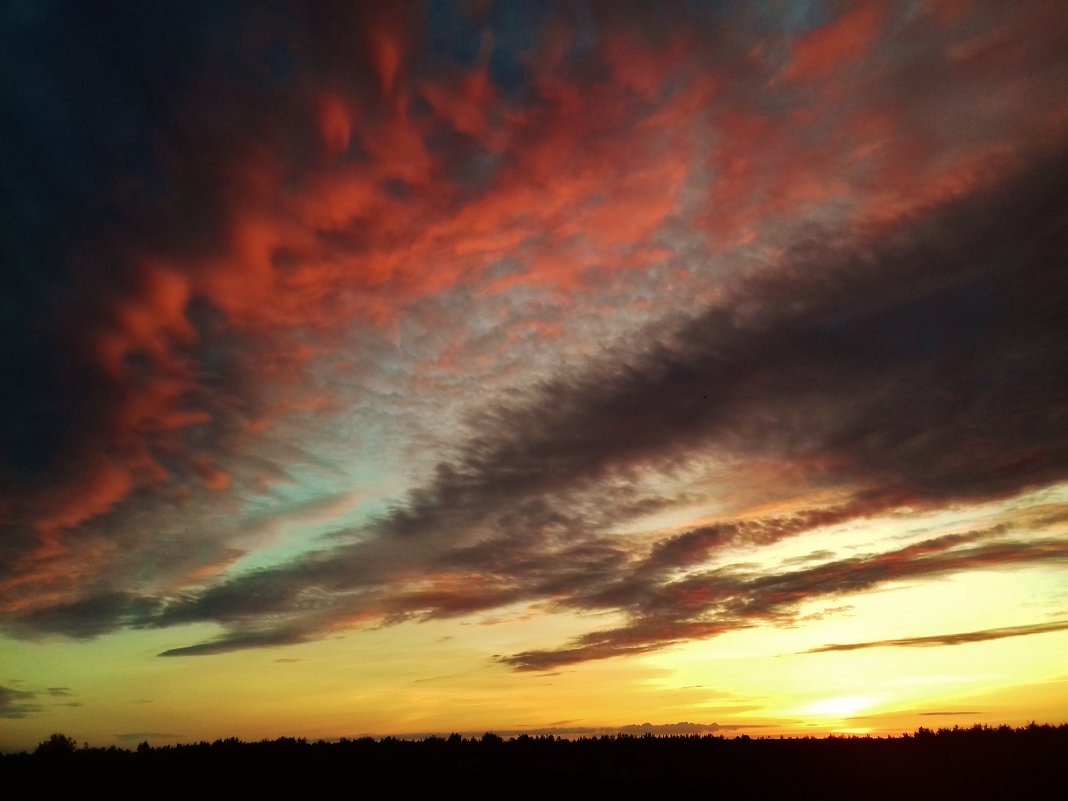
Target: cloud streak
x,y
17,704
708,604
959,638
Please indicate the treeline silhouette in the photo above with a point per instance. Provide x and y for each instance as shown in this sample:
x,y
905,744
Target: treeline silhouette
x,y
966,763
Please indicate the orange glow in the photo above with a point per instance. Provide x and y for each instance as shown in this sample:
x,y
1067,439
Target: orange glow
x,y
335,124
388,59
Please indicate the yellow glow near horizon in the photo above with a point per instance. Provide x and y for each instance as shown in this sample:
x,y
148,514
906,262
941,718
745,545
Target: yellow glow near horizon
x,y
440,676
839,707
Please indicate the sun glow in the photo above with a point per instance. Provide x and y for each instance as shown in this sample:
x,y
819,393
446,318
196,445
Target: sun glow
x,y
839,707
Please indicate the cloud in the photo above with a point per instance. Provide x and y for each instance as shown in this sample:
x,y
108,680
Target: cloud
x,y
17,703
216,283
825,50
88,617
191,322
710,603
916,363
680,729
959,638
239,641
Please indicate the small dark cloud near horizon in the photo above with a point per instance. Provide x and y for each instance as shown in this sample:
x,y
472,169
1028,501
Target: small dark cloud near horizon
x,y
560,729
17,704
23,703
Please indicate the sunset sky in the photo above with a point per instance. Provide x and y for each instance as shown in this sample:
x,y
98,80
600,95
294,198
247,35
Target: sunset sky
x,y
570,367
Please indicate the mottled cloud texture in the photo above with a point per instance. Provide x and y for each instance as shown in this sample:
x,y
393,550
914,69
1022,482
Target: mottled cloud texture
x,y
349,315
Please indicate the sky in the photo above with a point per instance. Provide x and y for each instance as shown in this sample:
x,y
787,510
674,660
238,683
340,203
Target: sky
x,y
569,367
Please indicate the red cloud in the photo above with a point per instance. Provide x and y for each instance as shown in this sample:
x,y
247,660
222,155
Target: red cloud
x,y
828,48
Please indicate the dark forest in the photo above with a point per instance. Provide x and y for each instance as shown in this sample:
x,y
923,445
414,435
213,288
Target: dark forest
x,y
976,762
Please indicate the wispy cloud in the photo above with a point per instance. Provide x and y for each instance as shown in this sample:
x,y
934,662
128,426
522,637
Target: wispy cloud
x,y
958,638
707,604
18,703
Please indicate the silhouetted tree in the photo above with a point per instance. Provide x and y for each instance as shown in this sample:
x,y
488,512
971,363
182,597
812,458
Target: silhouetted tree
x,y
57,745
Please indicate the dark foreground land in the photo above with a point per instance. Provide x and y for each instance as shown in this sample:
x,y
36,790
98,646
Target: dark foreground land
x,y
979,762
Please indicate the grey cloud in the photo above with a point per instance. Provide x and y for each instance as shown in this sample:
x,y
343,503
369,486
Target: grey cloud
x,y
88,617
707,604
239,640
17,703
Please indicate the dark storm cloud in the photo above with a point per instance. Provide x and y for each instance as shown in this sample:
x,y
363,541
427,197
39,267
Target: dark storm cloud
x,y
919,363
958,638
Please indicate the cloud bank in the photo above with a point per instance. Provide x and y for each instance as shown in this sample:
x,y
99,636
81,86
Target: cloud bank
x,y
325,317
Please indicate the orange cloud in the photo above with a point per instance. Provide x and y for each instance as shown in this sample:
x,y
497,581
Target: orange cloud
x,y
826,49
335,123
